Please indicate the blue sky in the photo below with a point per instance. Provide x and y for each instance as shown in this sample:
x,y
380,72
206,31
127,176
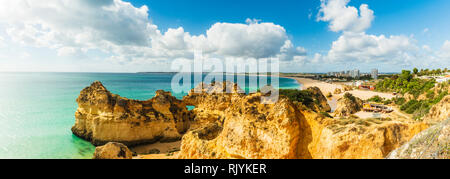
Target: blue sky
x,y
147,35
392,17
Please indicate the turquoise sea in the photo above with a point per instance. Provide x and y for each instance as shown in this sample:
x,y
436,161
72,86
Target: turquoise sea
x,y
37,109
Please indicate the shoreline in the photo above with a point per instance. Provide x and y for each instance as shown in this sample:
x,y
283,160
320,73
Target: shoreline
x,y
329,88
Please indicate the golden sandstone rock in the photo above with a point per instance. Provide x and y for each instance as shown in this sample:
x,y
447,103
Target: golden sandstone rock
x,y
237,125
250,130
326,138
433,143
348,105
337,91
284,130
439,112
104,117
113,150
322,103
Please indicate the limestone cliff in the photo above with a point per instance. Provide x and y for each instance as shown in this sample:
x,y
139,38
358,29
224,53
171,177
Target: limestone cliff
x,y
337,91
433,143
211,101
235,125
104,117
439,112
325,138
321,102
250,130
348,105
113,150
240,126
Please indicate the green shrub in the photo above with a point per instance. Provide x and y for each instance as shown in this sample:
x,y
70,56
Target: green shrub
x,y
399,101
326,114
349,96
376,99
294,95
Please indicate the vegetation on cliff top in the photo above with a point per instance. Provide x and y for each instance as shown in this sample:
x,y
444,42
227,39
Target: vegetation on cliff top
x,y
405,83
303,96
428,72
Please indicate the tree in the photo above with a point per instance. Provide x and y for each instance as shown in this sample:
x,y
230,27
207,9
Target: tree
x,y
406,75
416,71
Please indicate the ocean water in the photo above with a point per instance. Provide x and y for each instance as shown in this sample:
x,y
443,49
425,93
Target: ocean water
x,y
37,109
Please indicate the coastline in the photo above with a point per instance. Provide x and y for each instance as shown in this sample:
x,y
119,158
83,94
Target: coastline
x,y
329,88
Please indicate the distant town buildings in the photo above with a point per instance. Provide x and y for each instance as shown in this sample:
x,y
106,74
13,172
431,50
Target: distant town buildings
x,y
355,73
349,73
375,74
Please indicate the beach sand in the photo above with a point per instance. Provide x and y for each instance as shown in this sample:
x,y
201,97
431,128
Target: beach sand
x,y
329,88
164,148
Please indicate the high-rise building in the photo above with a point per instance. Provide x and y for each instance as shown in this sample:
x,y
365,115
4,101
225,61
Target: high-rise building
x,y
355,73
375,74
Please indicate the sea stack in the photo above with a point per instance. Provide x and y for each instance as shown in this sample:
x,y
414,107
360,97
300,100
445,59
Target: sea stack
x,y
104,117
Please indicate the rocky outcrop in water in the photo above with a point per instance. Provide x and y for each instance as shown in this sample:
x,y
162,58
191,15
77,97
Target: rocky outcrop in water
x,y
104,117
433,143
113,150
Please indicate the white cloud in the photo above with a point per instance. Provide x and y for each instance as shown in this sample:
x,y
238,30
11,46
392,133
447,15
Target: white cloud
x,y
83,23
345,18
258,40
445,51
126,34
354,45
2,43
426,30
370,48
289,52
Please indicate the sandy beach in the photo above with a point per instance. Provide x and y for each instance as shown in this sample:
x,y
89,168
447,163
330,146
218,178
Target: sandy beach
x,y
329,88
164,148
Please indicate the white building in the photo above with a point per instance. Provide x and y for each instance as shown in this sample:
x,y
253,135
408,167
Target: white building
x,y
375,74
355,73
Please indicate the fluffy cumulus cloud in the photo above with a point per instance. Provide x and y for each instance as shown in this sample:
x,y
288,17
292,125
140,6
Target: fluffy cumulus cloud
x,y
125,33
82,23
445,50
345,18
2,43
259,40
369,48
354,45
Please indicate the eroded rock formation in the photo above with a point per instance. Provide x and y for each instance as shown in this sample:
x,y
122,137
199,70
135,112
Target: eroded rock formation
x,y
348,105
439,112
321,104
326,138
113,150
433,143
237,125
240,126
245,128
104,117
337,91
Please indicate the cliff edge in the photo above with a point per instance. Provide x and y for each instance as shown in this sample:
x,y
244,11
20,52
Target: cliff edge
x,y
104,117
